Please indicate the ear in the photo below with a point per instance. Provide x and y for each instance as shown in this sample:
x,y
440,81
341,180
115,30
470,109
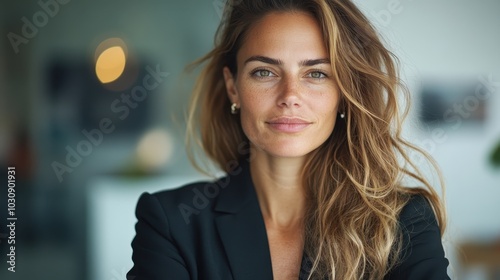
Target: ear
x,y
232,92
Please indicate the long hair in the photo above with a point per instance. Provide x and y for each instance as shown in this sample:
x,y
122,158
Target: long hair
x,y
354,181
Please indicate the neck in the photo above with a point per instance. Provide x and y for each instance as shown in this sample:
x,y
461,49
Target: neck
x,y
278,183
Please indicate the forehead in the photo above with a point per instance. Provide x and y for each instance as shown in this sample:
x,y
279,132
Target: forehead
x,y
285,35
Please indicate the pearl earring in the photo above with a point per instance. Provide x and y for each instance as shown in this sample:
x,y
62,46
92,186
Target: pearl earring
x,y
342,115
234,109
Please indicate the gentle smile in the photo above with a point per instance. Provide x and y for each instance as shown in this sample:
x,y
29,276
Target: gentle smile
x,y
286,124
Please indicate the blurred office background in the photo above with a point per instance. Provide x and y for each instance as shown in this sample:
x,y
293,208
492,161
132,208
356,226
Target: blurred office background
x,y
92,102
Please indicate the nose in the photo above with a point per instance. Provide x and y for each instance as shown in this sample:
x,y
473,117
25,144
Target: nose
x,y
289,93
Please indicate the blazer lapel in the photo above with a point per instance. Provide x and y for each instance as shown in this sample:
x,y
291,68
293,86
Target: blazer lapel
x,y
241,228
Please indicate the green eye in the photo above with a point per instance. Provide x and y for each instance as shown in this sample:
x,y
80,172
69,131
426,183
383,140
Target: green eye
x,y
264,73
317,75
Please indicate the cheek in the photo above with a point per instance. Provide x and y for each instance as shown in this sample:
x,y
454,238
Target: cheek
x,y
329,109
251,114
255,108
329,119
254,100
252,129
327,104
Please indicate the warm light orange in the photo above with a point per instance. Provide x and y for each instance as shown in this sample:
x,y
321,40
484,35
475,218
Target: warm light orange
x,y
110,64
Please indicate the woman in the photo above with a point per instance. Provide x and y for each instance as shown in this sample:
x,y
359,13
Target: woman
x,y
298,104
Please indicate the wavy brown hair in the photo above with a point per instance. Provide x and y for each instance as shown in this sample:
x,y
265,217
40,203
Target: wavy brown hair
x,y
354,181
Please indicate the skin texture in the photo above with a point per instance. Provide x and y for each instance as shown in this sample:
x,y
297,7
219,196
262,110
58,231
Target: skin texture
x,y
288,102
289,90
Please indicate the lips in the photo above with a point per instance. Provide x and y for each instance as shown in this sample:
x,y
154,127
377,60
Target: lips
x,y
288,124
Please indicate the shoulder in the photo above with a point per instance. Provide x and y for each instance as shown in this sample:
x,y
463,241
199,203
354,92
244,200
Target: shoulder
x,y
417,209
178,205
422,255
168,233
417,221
186,193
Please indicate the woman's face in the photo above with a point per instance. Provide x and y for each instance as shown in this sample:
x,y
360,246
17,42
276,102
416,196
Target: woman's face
x,y
284,87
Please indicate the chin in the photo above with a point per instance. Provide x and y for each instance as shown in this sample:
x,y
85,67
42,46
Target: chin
x,y
287,150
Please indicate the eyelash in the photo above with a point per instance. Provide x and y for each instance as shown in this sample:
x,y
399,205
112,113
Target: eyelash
x,y
254,74
324,75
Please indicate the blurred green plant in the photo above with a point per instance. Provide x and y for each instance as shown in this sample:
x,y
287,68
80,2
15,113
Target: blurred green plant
x,y
495,156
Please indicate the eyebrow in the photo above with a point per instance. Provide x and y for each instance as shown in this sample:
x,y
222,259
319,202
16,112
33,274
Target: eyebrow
x,y
273,61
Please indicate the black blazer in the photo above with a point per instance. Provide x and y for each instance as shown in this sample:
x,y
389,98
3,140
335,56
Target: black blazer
x,y
215,230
